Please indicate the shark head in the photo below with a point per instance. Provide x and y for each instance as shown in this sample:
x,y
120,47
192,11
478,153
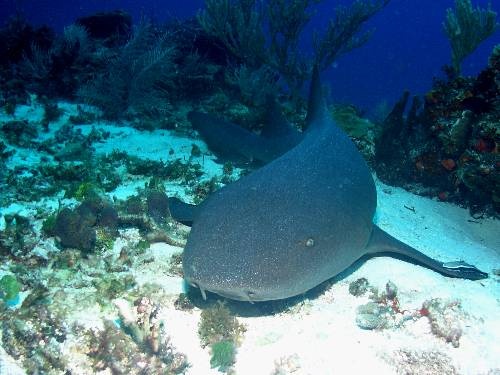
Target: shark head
x,y
238,271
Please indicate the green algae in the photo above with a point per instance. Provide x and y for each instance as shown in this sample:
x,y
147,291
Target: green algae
x,y
9,287
223,355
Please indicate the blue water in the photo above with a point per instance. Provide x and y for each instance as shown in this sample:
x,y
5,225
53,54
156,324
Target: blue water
x,y
407,50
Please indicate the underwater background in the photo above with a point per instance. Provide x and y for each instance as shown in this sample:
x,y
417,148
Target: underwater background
x,y
406,52
99,144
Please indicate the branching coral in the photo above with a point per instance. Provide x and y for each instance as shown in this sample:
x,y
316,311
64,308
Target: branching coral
x,y
287,20
239,25
344,31
467,28
137,78
51,71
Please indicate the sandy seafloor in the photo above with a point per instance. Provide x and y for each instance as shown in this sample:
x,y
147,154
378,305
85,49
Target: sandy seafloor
x,y
318,335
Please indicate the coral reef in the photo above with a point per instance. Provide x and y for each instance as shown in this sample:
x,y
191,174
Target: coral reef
x,y
176,265
51,113
66,164
66,200
62,67
447,146
344,32
18,238
361,130
113,349
93,222
148,76
138,79
16,39
35,331
141,323
33,335
183,303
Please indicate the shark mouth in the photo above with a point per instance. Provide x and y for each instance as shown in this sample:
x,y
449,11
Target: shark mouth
x,y
247,296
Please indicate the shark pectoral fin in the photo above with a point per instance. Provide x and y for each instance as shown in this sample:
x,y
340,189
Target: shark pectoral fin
x,y
184,213
230,141
225,139
382,242
276,125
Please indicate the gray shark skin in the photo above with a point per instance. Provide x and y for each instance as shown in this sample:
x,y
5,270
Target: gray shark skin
x,y
237,144
301,219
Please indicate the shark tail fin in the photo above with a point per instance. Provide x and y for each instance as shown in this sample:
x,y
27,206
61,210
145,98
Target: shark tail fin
x,y
382,242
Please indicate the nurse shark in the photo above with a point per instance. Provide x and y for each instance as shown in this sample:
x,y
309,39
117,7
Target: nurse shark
x,y
301,219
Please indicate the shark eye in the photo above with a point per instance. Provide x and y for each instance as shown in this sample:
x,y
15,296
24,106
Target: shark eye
x,y
310,242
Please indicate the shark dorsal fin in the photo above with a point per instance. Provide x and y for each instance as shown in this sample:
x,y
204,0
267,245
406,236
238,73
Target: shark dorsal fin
x,y
316,110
